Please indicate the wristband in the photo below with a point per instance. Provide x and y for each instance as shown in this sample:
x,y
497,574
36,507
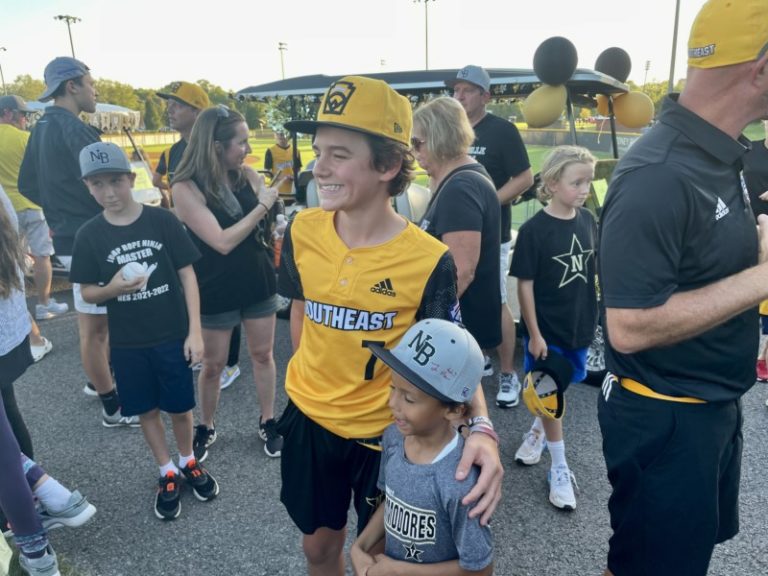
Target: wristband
x,y
266,208
483,429
480,420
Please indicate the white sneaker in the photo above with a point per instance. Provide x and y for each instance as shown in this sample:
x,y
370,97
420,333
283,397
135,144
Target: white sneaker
x,y
509,391
118,420
561,483
530,450
229,375
38,352
50,310
488,367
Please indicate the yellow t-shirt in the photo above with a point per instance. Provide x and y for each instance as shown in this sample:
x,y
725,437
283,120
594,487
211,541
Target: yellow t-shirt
x,y
354,296
281,163
13,142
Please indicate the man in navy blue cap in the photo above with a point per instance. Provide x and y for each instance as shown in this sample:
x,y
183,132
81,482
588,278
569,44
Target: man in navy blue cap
x,y
50,177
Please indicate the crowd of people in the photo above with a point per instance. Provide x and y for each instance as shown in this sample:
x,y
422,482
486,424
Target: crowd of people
x,y
393,323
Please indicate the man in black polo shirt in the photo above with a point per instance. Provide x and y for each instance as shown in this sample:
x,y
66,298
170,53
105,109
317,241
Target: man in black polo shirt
x,y
500,149
681,283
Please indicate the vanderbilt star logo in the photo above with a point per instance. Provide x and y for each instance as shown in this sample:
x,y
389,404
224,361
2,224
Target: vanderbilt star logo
x,y
413,553
574,262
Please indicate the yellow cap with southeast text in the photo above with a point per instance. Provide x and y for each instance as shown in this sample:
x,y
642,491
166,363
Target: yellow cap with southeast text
x,y
364,105
728,32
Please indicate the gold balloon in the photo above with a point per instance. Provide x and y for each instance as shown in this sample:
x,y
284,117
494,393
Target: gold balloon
x,y
544,105
602,105
633,110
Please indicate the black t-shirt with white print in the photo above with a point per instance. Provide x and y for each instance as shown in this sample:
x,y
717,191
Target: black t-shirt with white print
x,y
157,313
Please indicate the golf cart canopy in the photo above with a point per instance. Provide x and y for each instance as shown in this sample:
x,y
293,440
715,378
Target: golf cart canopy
x,y
505,83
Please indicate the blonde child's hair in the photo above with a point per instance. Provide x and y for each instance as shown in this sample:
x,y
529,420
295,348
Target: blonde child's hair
x,y
555,163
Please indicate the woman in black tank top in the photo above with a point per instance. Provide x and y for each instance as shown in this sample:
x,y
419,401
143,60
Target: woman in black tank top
x,y
224,204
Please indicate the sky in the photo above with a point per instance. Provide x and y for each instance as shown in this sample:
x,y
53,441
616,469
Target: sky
x,y
148,44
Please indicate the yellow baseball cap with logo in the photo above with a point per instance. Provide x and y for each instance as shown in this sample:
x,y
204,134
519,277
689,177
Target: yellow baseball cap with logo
x,y
364,105
187,93
728,32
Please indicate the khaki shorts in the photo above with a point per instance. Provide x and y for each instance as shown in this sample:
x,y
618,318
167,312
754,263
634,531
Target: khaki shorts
x,y
34,231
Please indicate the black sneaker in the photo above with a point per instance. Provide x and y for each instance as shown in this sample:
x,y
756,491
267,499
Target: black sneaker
x,y
273,442
203,484
167,500
204,437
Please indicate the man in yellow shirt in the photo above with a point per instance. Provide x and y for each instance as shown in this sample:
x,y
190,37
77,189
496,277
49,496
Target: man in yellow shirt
x,y
32,224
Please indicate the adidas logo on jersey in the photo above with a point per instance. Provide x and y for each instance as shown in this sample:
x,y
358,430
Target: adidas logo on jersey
x,y
384,287
721,209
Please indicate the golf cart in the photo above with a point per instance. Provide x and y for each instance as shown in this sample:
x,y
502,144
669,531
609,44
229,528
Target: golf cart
x,y
303,95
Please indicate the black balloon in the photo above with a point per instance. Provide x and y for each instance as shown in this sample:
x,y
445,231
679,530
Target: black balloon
x,y
614,62
555,60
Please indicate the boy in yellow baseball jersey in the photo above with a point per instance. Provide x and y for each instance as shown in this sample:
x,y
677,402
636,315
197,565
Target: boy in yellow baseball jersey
x,y
358,274
279,160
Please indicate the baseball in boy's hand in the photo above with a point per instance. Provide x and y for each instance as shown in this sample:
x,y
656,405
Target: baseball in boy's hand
x,y
133,270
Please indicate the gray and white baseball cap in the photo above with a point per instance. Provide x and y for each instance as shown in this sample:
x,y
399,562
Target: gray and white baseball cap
x,y
60,70
474,75
439,357
101,157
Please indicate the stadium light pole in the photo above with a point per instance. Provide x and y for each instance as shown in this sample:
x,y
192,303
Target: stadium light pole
x,y
426,31
69,20
2,78
671,84
645,77
282,46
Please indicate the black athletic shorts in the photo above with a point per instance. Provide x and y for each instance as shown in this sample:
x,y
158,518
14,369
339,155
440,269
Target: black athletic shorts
x,y
675,470
323,472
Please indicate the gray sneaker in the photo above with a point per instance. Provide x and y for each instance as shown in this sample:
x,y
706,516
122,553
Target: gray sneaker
x,y
46,565
76,513
509,391
50,310
117,420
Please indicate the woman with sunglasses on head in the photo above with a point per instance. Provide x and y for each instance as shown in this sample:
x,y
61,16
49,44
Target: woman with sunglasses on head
x,y
463,212
225,205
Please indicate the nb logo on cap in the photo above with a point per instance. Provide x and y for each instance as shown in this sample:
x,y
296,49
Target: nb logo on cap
x,y
175,87
422,348
338,97
99,156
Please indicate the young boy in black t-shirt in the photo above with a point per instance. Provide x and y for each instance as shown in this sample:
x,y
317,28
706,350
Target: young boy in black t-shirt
x,y
137,260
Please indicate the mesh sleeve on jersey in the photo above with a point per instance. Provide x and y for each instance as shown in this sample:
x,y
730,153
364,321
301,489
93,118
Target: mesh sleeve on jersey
x,y
289,280
440,299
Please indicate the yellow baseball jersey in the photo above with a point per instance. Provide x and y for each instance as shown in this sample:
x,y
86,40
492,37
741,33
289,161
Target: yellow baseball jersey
x,y
764,308
13,142
280,161
353,297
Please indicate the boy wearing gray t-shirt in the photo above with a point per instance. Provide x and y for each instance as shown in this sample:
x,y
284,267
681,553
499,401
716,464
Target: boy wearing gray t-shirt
x,y
436,369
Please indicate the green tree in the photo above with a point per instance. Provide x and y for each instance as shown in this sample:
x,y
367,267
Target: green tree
x,y
153,113
113,92
27,87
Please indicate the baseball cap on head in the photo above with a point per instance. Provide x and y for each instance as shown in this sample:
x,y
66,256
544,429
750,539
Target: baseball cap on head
x,y
727,32
474,75
103,157
364,105
16,103
439,357
187,93
60,70
545,384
